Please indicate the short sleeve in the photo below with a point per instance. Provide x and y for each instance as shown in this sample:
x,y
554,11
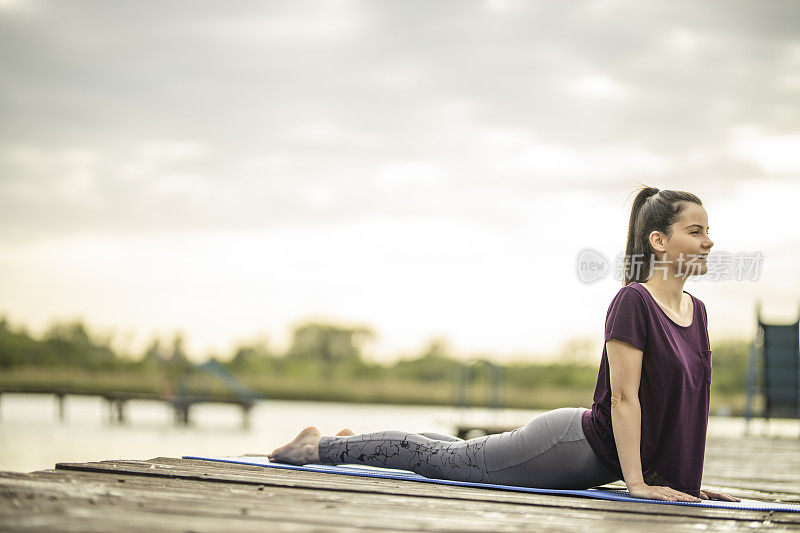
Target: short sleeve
x,y
627,318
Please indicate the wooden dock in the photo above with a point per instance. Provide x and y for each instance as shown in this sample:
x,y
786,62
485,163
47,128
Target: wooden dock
x,y
167,494
117,403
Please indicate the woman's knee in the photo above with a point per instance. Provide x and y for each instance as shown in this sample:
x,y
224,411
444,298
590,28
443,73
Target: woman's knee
x,y
441,436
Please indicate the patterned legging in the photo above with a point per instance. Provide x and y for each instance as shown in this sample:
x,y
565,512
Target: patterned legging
x,y
550,451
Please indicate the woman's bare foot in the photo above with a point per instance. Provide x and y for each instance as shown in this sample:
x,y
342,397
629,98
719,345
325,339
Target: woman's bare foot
x,y
346,432
301,451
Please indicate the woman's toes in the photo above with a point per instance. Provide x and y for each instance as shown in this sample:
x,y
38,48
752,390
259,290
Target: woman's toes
x,y
346,432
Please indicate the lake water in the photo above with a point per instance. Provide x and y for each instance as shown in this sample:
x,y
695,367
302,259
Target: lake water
x,y
32,438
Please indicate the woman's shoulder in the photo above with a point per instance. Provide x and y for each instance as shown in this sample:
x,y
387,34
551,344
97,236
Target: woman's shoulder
x,y
630,296
631,290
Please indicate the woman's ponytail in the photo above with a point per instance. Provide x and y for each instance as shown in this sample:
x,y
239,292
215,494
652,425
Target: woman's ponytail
x,y
635,249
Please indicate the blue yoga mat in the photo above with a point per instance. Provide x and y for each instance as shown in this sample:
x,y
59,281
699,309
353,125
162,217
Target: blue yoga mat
x,y
389,473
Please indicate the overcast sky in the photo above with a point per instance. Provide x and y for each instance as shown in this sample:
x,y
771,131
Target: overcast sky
x,y
431,169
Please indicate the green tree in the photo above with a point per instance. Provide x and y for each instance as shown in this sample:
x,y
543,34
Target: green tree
x,y
730,358
70,344
329,346
253,359
18,348
433,364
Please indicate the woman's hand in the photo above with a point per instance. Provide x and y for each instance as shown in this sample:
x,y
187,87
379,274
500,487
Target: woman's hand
x,y
711,495
659,492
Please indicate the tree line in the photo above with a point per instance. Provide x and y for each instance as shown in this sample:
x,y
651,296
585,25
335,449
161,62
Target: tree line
x,y
317,351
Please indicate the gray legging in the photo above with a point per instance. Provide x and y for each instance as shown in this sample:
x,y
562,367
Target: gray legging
x,y
550,451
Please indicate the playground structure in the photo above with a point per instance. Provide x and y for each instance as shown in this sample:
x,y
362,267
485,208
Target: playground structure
x,y
192,390
469,379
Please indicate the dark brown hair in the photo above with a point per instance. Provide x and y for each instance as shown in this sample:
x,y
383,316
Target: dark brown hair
x,y
652,210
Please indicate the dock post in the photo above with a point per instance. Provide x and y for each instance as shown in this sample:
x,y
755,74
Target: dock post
x,y
182,413
246,416
120,405
60,406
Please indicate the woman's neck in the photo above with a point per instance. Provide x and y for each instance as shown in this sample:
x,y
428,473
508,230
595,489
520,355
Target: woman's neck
x,y
668,289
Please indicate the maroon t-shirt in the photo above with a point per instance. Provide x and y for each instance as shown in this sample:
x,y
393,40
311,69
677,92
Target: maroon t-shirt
x,y
673,392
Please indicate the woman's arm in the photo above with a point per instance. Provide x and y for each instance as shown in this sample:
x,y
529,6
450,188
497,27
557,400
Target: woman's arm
x,y
625,373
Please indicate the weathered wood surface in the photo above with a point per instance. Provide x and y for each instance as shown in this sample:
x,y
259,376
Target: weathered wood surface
x,y
167,494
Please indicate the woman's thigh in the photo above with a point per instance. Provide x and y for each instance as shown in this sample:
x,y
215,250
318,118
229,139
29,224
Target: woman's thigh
x,y
550,451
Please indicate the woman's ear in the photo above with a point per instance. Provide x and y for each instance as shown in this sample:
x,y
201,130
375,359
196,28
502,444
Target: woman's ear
x,y
657,241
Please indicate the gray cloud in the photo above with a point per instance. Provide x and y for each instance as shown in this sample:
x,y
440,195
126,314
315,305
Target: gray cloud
x,y
306,113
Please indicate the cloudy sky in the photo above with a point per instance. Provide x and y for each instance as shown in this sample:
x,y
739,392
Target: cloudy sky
x,y
431,169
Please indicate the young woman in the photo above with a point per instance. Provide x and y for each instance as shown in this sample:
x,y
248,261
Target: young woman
x,y
653,384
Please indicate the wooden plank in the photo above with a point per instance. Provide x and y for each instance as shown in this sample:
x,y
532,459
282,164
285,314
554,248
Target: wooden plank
x,y
725,485
84,495
221,472
82,519
766,466
168,494
328,507
203,466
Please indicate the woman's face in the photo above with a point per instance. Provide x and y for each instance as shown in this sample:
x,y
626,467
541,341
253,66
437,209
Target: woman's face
x,y
686,249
